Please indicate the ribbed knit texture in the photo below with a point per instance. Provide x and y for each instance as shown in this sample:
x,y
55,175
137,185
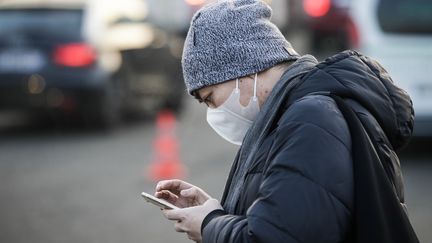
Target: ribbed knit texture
x,y
230,39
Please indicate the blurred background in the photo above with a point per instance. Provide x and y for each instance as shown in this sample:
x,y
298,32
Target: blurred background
x,y
93,109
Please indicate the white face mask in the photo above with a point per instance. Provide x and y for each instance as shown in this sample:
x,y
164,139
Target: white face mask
x,y
231,120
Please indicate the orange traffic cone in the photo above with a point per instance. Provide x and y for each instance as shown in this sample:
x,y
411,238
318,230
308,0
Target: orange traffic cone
x,y
166,160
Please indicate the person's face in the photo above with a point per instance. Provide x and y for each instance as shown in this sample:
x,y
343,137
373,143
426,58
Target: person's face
x,y
215,95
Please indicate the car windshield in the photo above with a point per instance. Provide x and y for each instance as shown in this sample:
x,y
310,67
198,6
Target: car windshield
x,y
402,16
61,23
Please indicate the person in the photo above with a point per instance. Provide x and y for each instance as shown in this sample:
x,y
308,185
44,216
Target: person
x,y
294,176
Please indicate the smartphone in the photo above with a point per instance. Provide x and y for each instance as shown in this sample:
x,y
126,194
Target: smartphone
x,y
157,201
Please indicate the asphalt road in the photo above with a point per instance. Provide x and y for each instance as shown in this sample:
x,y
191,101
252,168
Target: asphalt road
x,y
82,186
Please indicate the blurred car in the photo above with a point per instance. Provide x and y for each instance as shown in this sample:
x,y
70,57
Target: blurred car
x,y
66,57
399,35
325,25
45,62
185,9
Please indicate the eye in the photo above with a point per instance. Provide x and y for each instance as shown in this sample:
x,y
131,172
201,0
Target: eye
x,y
208,100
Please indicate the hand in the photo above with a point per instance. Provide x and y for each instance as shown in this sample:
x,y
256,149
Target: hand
x,y
180,193
189,220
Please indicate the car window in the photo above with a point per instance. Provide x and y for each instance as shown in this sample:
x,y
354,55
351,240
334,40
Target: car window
x,y
61,23
405,16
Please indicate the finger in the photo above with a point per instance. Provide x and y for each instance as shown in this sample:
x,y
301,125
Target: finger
x,y
195,194
167,195
172,214
171,185
191,193
179,227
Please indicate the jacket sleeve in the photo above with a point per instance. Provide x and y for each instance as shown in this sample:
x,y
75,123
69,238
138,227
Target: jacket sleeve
x,y
306,192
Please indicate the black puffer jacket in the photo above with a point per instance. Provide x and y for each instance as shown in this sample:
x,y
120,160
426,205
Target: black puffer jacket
x,y
300,185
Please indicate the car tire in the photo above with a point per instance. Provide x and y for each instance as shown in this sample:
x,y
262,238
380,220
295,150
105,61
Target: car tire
x,y
104,111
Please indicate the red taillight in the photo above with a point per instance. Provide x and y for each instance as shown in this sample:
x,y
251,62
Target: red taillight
x,y
316,8
74,55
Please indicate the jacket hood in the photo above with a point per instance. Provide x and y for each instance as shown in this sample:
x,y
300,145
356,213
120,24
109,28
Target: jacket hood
x,y
351,75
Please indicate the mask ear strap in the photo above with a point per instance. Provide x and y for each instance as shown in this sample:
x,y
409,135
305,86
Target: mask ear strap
x,y
237,85
255,87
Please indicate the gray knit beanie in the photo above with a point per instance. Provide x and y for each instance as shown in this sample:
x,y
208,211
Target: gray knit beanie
x,y
230,39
